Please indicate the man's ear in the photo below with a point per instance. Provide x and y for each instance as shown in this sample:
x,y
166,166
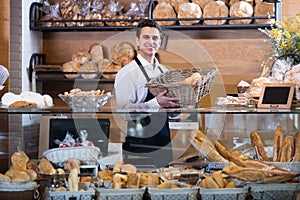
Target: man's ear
x,y
137,42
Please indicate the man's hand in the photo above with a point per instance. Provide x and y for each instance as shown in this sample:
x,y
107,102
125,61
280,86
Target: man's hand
x,y
165,101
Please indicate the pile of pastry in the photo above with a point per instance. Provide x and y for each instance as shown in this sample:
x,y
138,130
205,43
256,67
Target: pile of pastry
x,y
92,13
90,62
22,169
27,100
212,9
126,176
240,166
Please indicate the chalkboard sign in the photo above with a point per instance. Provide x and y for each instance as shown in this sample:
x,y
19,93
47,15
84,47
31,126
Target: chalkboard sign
x,y
276,95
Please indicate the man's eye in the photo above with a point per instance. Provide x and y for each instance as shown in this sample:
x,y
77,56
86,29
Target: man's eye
x,y
155,38
146,37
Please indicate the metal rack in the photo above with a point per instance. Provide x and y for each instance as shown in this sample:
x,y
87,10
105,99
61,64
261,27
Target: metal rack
x,y
36,14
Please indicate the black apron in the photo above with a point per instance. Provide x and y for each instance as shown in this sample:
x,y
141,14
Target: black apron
x,y
153,147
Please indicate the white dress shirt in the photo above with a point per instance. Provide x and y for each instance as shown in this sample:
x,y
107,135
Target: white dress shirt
x,y
130,89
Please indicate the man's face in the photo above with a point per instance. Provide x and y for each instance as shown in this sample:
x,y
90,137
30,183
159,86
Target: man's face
x,y
149,41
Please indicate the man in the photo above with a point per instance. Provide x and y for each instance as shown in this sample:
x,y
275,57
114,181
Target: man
x,y
148,138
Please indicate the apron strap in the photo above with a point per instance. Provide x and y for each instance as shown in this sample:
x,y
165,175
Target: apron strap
x,y
143,69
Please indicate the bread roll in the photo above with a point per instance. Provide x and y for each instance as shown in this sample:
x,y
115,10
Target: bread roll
x,y
149,179
257,143
23,104
20,177
276,145
81,56
96,52
231,184
102,64
19,161
215,9
128,168
32,174
133,180
105,175
4,178
241,9
218,178
210,183
46,167
189,10
89,67
119,181
10,172
297,147
71,66
164,185
71,164
164,11
123,49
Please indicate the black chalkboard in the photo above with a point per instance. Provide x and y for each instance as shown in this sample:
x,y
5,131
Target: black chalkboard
x,y
277,95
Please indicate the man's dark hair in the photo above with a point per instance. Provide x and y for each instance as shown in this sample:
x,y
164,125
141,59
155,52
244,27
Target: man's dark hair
x,y
147,23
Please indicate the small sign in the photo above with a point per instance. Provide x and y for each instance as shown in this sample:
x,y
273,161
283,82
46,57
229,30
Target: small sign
x,y
276,95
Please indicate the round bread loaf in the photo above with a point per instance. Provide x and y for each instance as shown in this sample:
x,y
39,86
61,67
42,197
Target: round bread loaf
x,y
71,66
215,9
263,9
122,49
81,56
189,10
96,52
177,3
89,67
202,3
241,9
102,64
164,11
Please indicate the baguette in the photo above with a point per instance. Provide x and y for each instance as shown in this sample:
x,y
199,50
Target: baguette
x,y
257,143
297,147
287,149
276,144
280,144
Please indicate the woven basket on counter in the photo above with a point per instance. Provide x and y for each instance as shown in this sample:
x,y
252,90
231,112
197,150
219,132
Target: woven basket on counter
x,y
82,153
189,94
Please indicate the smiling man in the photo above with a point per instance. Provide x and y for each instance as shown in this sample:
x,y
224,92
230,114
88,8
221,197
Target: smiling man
x,y
153,143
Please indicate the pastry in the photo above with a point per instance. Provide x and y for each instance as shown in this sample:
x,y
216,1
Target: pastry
x,y
71,66
189,10
105,175
164,185
81,56
20,176
19,161
45,166
164,11
217,177
72,164
119,181
210,183
133,180
96,52
215,9
241,9
128,168
4,178
32,174
258,145
23,104
149,179
89,67
231,184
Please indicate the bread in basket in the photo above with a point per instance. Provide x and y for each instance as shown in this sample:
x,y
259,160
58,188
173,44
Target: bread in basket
x,y
174,82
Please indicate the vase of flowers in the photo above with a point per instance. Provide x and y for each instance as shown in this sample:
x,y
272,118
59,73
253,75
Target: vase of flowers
x,y
284,38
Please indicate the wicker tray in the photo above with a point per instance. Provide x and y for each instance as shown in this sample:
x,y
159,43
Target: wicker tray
x,y
60,155
189,94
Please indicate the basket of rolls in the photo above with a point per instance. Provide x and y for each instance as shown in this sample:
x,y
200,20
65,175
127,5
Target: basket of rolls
x,y
189,85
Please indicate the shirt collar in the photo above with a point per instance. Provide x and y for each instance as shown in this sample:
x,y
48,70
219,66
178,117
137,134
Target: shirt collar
x,y
145,63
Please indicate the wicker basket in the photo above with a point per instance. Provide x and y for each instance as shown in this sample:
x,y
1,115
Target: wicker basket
x,y
189,94
60,155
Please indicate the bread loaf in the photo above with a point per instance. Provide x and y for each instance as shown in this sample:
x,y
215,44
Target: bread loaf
x,y
215,9
297,147
189,10
89,67
4,178
19,161
164,11
81,56
73,180
202,3
241,9
276,143
177,3
71,66
96,52
23,104
263,9
258,145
